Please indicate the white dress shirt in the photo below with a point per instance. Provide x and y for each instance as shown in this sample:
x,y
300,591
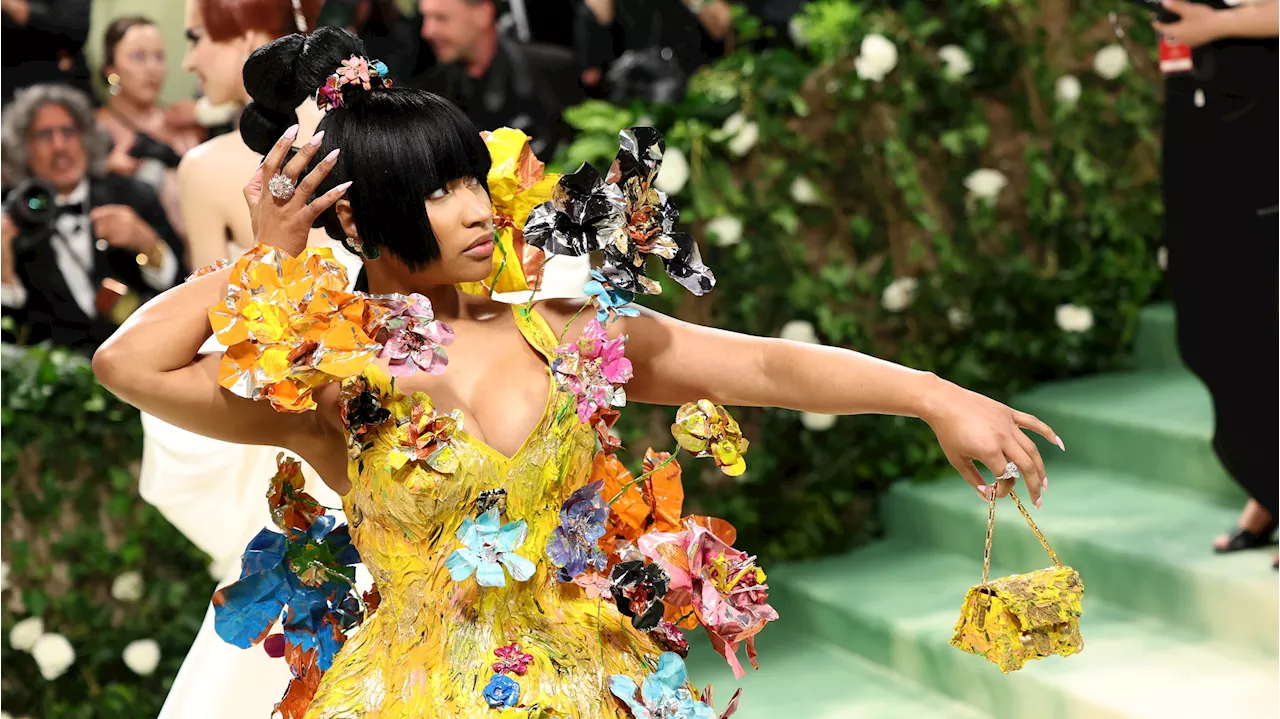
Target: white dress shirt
x,y
73,246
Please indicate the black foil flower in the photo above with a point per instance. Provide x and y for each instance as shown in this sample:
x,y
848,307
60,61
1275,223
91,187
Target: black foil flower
x,y
624,216
638,589
361,411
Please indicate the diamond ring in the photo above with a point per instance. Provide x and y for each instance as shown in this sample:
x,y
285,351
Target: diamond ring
x,y
280,187
1010,472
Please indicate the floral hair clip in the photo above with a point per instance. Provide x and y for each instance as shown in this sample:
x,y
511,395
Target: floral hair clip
x,y
354,70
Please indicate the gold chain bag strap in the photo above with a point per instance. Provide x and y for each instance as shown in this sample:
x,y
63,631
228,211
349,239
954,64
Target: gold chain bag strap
x,y
1012,620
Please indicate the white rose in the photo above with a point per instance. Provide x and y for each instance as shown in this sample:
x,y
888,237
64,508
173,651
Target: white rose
x,y
142,656
799,331
54,655
805,192
958,318
877,56
1162,258
899,293
1067,89
958,63
745,139
1110,61
726,230
674,172
733,124
985,184
24,634
1073,318
127,587
815,422
796,29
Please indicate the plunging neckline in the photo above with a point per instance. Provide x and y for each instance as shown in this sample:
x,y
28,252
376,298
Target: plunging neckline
x,y
546,408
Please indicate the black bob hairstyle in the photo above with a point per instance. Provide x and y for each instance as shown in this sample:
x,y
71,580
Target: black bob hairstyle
x,y
399,144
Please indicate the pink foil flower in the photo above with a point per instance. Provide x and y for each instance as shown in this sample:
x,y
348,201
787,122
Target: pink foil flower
x,y
411,337
723,585
511,660
593,369
355,69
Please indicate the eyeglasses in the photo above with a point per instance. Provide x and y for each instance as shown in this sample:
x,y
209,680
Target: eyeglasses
x,y
47,134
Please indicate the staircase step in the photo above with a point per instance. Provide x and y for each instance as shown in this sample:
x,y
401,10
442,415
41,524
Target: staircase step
x,y
800,676
896,604
1136,546
1156,346
1155,426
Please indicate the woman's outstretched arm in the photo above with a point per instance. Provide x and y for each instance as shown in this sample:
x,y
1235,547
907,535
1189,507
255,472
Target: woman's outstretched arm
x,y
677,362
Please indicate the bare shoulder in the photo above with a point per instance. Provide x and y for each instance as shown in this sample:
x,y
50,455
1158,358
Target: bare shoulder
x,y
222,154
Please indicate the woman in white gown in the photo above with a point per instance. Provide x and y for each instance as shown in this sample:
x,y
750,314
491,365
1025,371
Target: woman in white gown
x,y
215,492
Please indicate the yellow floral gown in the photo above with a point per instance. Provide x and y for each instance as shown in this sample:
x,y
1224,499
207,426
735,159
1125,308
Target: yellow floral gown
x,y
428,649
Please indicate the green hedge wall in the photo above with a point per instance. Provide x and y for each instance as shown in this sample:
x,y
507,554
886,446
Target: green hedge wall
x,y
838,199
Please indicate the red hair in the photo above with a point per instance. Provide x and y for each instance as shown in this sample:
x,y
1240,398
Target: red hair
x,y
228,19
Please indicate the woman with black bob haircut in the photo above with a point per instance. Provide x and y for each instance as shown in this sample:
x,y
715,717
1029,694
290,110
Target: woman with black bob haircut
x,y
396,143
468,490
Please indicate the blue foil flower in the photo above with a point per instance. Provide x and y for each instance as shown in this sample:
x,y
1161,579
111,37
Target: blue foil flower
x,y
488,548
664,694
573,547
609,301
502,692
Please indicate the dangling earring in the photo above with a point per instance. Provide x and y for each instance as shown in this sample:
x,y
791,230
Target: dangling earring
x,y
369,251
113,82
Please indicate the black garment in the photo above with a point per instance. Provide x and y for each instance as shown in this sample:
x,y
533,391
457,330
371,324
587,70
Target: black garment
x,y
1220,193
48,49
526,87
50,311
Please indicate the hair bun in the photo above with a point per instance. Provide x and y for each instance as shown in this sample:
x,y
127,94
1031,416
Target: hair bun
x,y
280,75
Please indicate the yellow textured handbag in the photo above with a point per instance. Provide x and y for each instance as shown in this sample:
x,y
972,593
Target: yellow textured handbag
x,y
1015,619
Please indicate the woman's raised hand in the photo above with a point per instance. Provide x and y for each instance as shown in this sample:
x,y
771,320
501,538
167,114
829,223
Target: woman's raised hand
x,y
971,427
279,203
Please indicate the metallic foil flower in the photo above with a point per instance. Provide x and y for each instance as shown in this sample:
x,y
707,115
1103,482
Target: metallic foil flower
x,y
428,438
511,660
653,504
638,590
517,184
502,692
706,430
487,548
354,69
624,216
329,96
361,412
573,547
724,587
594,370
491,499
411,337
609,301
664,695
292,509
669,637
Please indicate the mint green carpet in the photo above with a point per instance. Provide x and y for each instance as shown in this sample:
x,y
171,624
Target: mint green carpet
x,y
1171,630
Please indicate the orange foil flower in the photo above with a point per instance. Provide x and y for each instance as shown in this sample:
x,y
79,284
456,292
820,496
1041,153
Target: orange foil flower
x,y
705,429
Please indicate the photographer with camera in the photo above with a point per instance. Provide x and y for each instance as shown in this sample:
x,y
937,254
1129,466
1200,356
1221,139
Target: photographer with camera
x,y
81,249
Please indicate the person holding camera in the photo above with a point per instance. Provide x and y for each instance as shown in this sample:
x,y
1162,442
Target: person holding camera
x,y
1220,191
147,143
81,249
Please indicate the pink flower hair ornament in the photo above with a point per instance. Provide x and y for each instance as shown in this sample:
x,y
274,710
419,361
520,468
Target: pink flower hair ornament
x,y
355,70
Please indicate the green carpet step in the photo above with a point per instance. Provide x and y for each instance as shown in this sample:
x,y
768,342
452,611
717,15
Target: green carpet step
x,y
1136,545
897,605
1156,426
802,677
1156,346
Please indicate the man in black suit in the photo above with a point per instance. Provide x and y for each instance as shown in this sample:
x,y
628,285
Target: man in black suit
x,y
74,272
498,81
42,41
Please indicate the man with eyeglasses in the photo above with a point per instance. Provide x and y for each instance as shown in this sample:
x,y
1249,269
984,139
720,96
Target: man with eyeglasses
x,y
81,249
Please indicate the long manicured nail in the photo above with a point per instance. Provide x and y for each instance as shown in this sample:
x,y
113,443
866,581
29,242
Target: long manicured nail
x,y
344,186
984,489
1058,441
291,133
1044,484
317,138
332,155
1039,501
